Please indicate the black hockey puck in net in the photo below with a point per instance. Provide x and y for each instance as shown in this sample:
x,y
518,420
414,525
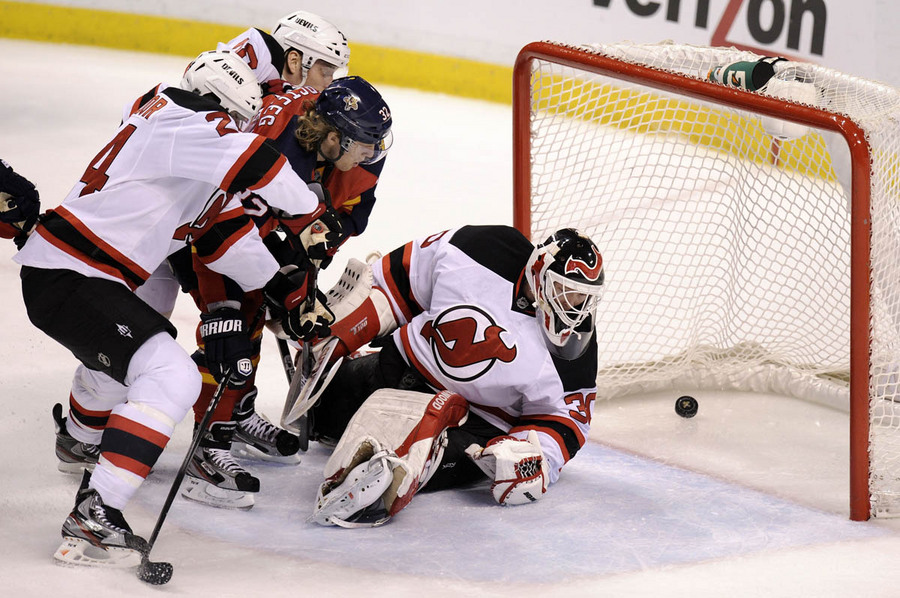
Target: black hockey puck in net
x,y
686,406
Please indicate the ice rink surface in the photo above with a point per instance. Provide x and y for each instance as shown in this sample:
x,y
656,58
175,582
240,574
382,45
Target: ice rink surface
x,y
749,498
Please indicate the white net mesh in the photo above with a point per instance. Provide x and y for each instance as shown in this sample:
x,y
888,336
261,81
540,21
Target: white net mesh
x,y
726,251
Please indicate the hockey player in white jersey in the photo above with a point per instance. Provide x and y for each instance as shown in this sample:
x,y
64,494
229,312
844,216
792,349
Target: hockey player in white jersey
x,y
308,51
166,174
503,331
303,50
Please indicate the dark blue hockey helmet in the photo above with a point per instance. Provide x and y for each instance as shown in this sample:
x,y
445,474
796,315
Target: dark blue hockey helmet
x,y
356,109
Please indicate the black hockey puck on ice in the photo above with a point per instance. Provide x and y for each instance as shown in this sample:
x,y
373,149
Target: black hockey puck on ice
x,y
686,406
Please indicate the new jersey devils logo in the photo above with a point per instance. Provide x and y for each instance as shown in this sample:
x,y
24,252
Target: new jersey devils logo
x,y
465,342
591,271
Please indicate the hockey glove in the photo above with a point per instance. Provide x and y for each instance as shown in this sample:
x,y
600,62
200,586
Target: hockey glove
x,y
287,296
20,202
308,325
518,468
227,345
322,238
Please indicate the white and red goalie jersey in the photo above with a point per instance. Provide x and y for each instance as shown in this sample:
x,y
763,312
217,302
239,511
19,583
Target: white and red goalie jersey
x,y
467,327
167,175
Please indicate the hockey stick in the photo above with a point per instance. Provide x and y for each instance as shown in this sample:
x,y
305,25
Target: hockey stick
x,y
305,360
286,360
159,573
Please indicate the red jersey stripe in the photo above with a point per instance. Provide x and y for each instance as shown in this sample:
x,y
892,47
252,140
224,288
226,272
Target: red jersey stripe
x,y
568,423
552,434
240,162
128,464
134,428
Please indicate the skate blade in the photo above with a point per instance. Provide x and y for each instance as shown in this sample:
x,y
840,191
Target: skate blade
x,y
250,452
80,552
74,468
211,495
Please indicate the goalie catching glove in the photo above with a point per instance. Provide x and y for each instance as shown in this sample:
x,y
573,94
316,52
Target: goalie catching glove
x,y
227,346
518,468
287,296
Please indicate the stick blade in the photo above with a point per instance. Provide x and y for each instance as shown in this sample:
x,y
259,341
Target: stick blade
x,y
155,573
306,387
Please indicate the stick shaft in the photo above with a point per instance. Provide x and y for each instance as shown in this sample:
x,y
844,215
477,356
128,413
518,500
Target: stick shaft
x,y
195,442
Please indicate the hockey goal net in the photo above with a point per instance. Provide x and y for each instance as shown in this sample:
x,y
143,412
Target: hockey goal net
x,y
751,239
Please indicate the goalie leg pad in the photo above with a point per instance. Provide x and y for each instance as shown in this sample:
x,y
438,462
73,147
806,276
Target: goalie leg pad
x,y
422,449
352,496
409,425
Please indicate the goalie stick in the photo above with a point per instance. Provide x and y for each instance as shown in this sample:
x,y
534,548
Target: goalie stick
x,y
305,361
305,390
159,573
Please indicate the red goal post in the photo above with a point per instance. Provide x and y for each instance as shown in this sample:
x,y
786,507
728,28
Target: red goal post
x,y
601,137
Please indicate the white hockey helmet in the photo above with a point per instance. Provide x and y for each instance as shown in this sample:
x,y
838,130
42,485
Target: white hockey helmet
x,y
315,37
225,75
565,273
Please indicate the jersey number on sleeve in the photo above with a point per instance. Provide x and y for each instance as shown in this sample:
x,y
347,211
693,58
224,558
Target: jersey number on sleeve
x,y
582,406
95,176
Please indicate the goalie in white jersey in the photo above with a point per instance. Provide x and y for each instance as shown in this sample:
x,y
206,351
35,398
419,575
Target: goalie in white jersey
x,y
168,173
503,330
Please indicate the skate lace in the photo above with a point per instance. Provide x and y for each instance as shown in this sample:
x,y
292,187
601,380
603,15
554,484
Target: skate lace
x,y
222,459
99,514
260,428
91,450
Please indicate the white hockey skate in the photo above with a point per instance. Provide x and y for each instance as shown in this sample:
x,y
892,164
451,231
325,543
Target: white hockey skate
x,y
214,478
97,535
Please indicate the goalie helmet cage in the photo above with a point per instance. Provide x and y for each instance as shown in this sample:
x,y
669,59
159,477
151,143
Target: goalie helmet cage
x,y
735,256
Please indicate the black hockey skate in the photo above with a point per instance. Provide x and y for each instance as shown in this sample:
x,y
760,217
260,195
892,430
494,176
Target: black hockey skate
x,y
213,477
257,438
74,456
95,534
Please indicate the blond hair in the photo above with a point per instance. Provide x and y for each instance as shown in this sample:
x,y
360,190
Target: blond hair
x,y
312,129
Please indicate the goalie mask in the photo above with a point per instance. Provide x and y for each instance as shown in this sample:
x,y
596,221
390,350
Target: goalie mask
x,y
315,38
565,273
359,113
226,76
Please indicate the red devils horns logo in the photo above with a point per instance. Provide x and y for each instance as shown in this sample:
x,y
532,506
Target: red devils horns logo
x,y
589,271
465,342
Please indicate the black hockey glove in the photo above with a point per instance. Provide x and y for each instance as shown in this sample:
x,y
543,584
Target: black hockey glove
x,y
287,296
21,204
227,344
309,324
